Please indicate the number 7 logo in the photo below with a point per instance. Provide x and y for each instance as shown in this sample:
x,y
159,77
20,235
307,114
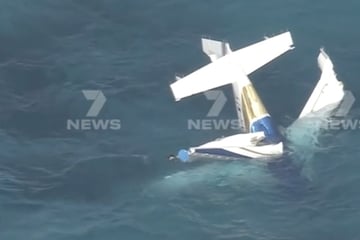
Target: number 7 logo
x,y
99,100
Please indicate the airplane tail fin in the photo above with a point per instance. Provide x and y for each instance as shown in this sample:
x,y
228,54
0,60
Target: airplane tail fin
x,y
328,92
215,49
324,60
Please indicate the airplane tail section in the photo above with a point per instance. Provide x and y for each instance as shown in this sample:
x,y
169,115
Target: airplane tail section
x,y
230,66
324,60
215,49
328,92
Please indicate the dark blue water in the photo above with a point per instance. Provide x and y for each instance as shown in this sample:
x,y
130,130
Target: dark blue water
x,y
57,183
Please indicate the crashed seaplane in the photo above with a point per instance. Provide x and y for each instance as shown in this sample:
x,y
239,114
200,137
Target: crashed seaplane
x,y
259,137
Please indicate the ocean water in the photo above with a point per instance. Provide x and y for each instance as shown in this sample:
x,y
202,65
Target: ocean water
x,y
57,183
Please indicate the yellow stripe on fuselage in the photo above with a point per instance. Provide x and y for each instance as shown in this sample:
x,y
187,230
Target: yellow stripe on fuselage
x,y
252,105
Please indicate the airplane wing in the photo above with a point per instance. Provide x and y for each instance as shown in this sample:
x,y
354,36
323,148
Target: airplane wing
x,y
228,67
257,55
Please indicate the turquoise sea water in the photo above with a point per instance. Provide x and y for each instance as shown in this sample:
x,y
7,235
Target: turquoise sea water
x,y
60,184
